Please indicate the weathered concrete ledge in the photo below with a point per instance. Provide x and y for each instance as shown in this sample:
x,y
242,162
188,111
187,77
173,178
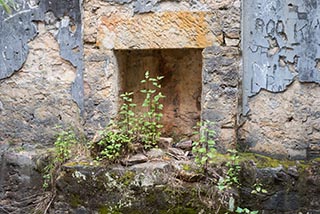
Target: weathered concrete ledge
x,y
160,181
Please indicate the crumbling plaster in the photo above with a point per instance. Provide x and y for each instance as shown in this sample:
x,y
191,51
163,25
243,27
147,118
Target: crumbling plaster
x,y
279,52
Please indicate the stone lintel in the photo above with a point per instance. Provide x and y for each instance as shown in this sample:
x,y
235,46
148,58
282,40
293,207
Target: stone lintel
x,y
157,30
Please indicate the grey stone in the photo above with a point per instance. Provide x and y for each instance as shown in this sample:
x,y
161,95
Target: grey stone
x,y
184,144
119,1
155,153
151,166
165,142
293,171
176,152
136,159
144,6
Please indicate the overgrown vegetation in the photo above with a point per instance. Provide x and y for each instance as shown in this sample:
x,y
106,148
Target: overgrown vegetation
x,y
205,152
134,128
149,122
63,145
231,180
143,128
204,148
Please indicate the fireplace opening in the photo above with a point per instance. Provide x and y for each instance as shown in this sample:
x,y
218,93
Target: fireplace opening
x,y
182,84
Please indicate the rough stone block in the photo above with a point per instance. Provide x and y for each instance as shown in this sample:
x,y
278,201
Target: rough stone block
x,y
157,30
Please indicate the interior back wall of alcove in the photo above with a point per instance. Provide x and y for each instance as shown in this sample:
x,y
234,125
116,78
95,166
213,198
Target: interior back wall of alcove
x,y
181,85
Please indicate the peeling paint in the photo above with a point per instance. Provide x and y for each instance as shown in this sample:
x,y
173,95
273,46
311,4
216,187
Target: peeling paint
x,y
280,42
15,30
20,28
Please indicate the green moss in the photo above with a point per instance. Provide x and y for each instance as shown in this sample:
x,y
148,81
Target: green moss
x,y
316,160
78,163
264,161
127,178
179,210
220,158
186,167
75,201
105,210
260,160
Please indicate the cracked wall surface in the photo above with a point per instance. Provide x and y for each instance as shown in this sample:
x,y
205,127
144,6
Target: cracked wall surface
x,y
280,77
39,83
41,69
280,42
59,67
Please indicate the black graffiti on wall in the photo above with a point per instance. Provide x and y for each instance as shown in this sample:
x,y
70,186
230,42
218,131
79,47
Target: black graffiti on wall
x,y
281,43
17,29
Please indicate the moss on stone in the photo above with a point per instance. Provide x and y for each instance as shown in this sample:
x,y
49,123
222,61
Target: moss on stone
x,y
179,210
75,201
127,178
105,210
262,161
78,163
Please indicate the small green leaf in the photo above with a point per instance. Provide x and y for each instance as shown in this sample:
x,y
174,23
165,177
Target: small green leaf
x,y
239,210
202,150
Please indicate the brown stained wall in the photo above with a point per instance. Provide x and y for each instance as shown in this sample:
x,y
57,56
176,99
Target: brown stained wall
x,y
181,85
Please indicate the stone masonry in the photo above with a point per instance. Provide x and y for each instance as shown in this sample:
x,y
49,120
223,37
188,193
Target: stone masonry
x,y
67,62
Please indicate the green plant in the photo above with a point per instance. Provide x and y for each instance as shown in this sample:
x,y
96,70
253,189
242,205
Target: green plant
x,y
231,179
63,144
245,210
62,152
129,127
258,188
113,142
7,5
150,120
204,149
232,176
127,122
117,136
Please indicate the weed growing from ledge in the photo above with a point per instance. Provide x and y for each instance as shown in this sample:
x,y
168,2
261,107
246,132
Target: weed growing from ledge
x,y
149,121
232,176
128,121
113,142
258,188
204,149
62,152
231,179
130,127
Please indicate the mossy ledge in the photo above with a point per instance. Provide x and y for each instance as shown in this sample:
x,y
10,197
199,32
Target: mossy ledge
x,y
158,186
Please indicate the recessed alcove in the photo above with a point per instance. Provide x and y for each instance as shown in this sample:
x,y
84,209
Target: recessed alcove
x,y
181,85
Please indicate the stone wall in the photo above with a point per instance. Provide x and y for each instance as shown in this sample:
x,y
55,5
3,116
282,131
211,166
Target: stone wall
x,y
40,71
281,72
63,64
118,35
